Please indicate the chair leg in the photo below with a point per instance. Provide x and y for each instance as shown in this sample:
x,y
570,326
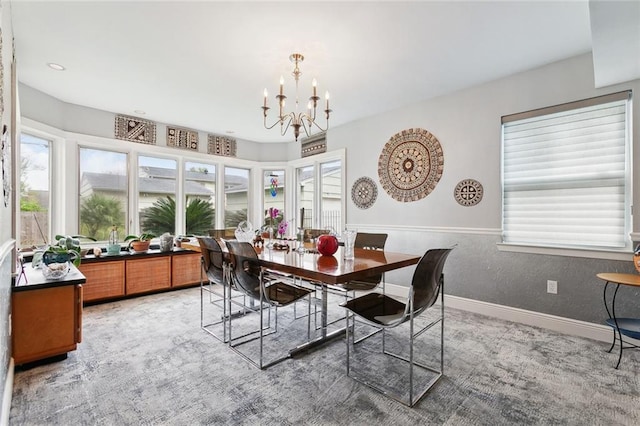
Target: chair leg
x,y
347,339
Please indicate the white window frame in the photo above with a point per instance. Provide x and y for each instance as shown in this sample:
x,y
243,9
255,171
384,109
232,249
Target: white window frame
x,y
581,250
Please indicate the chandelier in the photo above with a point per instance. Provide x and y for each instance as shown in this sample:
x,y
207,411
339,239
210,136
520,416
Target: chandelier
x,y
305,120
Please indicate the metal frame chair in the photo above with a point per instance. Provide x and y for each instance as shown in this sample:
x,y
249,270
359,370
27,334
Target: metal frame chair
x,y
212,262
383,312
216,270
251,279
367,241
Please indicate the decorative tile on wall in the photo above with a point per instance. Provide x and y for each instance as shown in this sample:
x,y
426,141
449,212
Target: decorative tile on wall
x,y
364,192
468,192
313,145
135,129
221,145
410,165
182,138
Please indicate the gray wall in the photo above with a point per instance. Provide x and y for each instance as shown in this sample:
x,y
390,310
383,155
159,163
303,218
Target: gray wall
x,y
467,124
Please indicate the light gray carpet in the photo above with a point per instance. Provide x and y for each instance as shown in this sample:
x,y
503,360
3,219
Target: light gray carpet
x,y
145,361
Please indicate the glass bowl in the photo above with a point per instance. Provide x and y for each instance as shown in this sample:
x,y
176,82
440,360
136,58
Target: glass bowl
x,y
55,271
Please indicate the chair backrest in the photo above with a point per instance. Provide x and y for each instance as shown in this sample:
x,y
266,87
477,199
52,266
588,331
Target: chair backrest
x,y
222,233
310,234
213,259
427,279
246,273
370,241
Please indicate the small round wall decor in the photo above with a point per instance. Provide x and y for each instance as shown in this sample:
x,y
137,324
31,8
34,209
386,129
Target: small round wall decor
x,y
410,165
468,192
364,192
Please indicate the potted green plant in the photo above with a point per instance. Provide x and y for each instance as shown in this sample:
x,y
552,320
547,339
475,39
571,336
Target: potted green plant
x,y
66,245
54,261
140,243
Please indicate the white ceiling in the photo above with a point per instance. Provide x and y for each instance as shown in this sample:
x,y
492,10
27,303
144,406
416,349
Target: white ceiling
x,y
204,65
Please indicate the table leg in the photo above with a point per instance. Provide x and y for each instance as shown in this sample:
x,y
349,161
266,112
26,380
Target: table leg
x,y
324,335
615,320
604,297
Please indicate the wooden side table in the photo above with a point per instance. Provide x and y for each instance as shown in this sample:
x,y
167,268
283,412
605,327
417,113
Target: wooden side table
x,y
629,327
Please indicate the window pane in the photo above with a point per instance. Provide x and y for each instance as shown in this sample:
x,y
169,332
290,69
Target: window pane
x,y
200,201
274,199
331,204
565,178
306,187
236,184
103,193
34,191
157,195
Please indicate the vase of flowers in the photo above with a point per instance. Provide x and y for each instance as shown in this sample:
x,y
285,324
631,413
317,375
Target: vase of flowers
x,y
283,226
274,217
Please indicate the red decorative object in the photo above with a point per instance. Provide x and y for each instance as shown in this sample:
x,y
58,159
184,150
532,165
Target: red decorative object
x,y
327,244
327,263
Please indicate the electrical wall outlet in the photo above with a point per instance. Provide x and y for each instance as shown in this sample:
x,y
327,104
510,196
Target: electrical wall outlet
x,y
552,287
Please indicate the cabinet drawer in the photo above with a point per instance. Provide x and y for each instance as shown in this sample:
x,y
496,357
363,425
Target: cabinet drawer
x,y
104,280
185,269
45,323
143,275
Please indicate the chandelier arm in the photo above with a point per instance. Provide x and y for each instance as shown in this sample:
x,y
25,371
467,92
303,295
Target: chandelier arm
x,y
280,121
315,123
289,118
307,131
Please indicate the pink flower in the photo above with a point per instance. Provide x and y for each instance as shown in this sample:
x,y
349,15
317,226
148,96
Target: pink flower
x,y
282,227
273,212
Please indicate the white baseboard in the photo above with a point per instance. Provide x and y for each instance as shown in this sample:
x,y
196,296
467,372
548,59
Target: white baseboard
x,y
6,396
564,325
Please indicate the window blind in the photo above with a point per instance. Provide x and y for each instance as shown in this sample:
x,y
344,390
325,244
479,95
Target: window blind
x,y
565,177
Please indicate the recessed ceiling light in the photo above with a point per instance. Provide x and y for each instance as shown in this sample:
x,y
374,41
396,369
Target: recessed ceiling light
x,y
230,131
139,111
55,66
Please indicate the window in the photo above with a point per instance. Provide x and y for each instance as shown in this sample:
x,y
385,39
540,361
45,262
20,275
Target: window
x,y
35,185
566,175
103,193
157,195
236,186
200,198
331,200
274,197
305,179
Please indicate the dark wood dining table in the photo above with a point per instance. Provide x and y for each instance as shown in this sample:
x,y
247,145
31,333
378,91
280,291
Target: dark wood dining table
x,y
331,270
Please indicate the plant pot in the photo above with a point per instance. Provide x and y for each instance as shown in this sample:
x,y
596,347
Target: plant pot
x,y
113,249
140,246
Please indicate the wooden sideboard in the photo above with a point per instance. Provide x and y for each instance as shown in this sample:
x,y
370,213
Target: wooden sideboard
x,y
46,316
113,277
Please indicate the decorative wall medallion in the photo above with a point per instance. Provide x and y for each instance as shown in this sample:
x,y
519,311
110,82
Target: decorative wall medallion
x,y
364,192
221,145
182,138
410,165
313,145
135,129
468,192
